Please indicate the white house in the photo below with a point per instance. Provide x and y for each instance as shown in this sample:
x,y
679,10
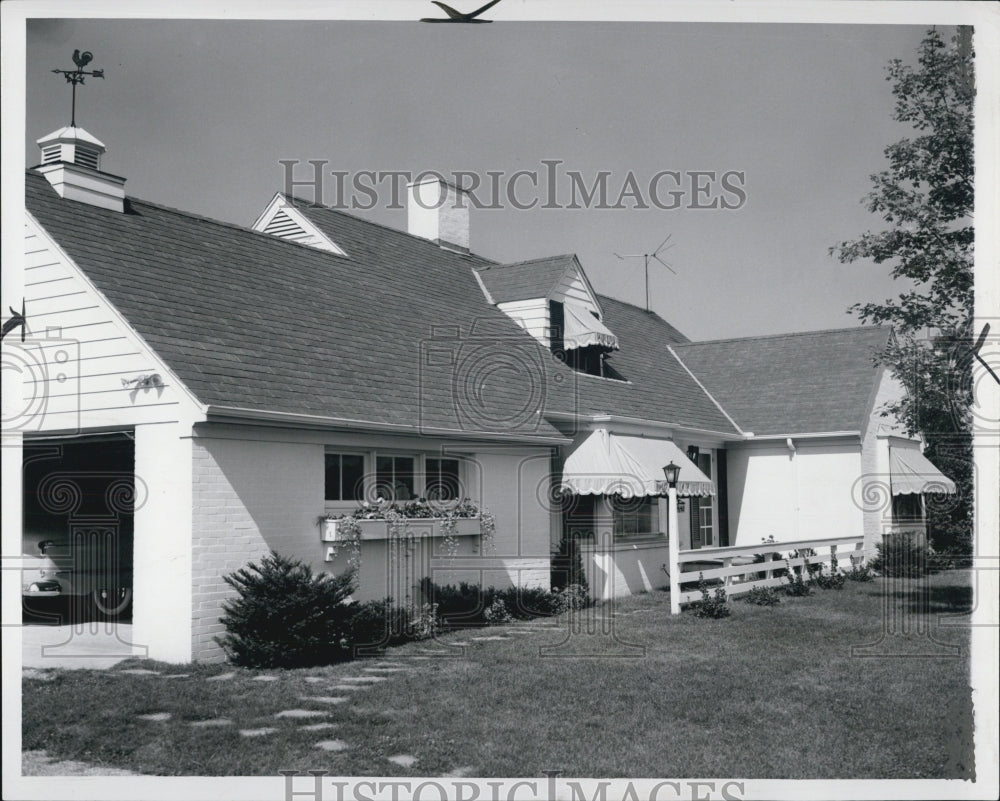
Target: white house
x,y
246,382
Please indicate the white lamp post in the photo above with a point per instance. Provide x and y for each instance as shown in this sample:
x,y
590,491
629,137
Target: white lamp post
x,y
672,472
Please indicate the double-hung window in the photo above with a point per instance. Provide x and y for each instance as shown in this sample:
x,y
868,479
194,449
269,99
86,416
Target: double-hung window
x,y
345,474
441,479
395,477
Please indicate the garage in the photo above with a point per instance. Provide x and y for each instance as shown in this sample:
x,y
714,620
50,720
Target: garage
x,y
79,498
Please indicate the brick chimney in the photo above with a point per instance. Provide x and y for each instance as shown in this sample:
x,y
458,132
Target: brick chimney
x,y
439,211
71,162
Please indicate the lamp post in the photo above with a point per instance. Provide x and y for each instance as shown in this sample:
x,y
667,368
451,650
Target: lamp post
x,y
672,472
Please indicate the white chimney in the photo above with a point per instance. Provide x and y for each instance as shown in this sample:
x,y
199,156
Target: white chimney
x,y
439,211
71,162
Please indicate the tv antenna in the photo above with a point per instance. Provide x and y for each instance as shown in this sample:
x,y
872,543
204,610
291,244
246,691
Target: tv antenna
x,y
646,257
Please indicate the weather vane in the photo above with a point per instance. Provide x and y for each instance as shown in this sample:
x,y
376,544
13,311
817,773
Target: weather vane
x,y
78,75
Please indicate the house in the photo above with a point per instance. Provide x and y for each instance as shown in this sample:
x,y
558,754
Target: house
x,y
237,385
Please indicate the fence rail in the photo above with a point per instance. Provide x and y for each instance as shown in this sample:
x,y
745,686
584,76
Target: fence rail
x,y
740,574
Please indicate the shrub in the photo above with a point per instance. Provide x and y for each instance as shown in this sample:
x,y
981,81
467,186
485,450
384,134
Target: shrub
x,y
567,566
762,596
712,606
860,572
834,580
497,614
284,616
378,623
795,585
458,606
468,605
901,555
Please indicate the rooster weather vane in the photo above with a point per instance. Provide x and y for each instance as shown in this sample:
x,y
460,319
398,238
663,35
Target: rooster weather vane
x,y
458,16
79,75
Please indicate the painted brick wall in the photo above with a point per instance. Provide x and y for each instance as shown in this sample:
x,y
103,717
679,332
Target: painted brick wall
x,y
249,497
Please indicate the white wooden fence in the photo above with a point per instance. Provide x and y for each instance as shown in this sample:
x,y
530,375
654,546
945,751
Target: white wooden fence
x,y
740,574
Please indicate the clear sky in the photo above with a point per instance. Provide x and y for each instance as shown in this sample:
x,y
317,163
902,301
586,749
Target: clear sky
x,y
197,115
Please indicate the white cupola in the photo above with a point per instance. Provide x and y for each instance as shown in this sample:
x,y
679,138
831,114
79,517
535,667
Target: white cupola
x,y
71,162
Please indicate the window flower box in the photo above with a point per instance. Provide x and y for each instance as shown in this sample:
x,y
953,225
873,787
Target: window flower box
x,y
422,527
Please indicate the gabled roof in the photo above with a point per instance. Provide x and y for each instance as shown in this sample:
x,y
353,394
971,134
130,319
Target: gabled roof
x,y
809,382
535,278
250,320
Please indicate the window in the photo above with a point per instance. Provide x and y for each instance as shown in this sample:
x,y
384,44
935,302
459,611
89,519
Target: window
x,y
635,515
394,478
442,482
702,524
345,476
907,507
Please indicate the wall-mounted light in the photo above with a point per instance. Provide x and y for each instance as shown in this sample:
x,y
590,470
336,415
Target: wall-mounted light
x,y
671,472
145,381
692,453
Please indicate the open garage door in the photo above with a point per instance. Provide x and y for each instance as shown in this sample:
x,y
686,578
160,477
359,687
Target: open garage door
x,y
79,498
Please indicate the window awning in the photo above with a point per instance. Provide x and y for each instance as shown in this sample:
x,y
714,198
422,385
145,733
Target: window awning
x,y
911,473
581,328
609,464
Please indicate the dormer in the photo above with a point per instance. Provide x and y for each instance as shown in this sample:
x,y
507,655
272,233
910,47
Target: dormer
x,y
282,219
71,162
552,300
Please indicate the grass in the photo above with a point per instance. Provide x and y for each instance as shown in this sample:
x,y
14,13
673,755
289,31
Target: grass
x,y
766,693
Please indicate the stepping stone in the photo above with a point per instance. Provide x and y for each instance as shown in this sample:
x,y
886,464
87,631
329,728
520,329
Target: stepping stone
x,y
371,679
403,760
176,676
318,726
461,643
324,699
140,672
315,679
40,675
349,687
158,716
387,670
458,773
202,724
300,713
222,677
257,732
490,639
332,745
264,678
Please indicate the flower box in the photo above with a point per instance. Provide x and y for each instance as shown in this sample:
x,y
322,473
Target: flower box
x,y
422,527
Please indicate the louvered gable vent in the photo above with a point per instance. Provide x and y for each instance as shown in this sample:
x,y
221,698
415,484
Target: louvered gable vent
x,y
284,221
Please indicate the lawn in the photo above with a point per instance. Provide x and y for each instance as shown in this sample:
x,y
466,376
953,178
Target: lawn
x,y
628,692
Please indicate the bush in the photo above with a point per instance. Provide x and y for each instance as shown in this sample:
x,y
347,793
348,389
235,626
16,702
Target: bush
x,y
860,572
834,580
712,606
497,614
284,616
567,566
902,555
468,605
378,623
795,586
762,596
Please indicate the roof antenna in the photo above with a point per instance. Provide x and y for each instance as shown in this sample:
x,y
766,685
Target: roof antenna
x,y
78,75
646,257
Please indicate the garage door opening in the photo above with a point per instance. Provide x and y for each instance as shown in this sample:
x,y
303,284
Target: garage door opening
x,y
79,502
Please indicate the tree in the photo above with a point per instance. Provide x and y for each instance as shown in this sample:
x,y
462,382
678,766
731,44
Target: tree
x,y
925,197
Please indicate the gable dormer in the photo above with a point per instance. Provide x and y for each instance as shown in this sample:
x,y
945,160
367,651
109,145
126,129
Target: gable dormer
x,y
282,219
552,300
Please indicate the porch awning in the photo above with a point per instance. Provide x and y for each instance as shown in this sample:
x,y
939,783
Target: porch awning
x,y
581,328
609,464
911,473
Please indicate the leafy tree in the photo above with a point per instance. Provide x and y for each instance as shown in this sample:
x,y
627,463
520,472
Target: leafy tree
x,y
925,197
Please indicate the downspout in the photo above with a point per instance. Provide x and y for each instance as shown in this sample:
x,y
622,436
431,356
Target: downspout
x,y
795,487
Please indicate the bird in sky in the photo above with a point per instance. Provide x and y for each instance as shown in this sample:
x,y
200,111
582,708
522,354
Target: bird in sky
x,y
458,16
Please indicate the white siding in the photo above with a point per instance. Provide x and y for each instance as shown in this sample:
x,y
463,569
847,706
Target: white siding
x,y
573,289
531,315
79,350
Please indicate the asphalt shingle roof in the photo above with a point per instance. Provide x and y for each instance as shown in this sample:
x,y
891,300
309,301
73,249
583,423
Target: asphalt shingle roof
x,y
813,381
524,280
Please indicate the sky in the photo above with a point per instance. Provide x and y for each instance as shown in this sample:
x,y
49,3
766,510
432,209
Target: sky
x,y
197,115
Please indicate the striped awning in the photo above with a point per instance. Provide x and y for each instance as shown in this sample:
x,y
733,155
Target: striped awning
x,y
610,464
581,328
911,473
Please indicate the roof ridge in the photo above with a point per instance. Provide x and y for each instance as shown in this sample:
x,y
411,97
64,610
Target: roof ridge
x,y
787,335
385,227
534,261
132,200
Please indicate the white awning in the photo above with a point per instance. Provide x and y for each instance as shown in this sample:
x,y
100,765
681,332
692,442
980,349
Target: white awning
x,y
609,464
581,328
911,473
